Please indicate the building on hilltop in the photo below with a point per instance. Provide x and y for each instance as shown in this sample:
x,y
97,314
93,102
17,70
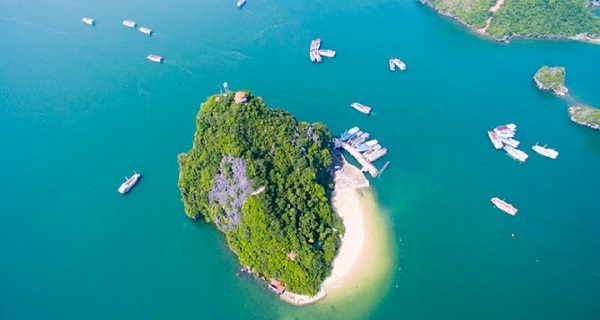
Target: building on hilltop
x,y
240,97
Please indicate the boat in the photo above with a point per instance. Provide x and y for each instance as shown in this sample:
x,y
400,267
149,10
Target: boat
x,y
361,107
367,145
516,153
497,143
318,56
387,164
358,141
313,56
155,58
392,65
506,127
509,141
505,134
370,151
504,206
240,3
129,183
376,155
354,137
88,21
129,23
145,30
349,133
327,53
315,44
401,65
546,152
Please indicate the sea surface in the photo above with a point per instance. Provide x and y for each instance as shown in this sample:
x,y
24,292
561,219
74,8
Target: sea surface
x,y
81,108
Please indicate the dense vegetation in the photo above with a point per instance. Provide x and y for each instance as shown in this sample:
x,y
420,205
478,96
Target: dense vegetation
x,y
544,17
548,78
586,116
533,18
262,178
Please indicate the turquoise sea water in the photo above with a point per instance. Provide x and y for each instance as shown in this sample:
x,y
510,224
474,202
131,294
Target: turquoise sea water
x,y
81,107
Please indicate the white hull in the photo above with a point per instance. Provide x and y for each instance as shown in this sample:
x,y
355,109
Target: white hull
x,y
546,152
497,143
327,53
504,206
516,153
129,183
392,65
401,65
155,58
129,23
240,3
361,108
509,141
145,30
88,21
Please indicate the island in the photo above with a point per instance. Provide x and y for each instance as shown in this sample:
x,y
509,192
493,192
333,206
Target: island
x,y
586,116
502,20
291,208
551,78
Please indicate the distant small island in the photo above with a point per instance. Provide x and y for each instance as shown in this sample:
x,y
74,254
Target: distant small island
x,y
502,20
586,116
551,78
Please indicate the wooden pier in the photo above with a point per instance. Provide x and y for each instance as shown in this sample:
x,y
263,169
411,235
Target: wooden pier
x,y
366,165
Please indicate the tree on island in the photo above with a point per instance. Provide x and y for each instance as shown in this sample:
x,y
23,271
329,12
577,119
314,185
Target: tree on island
x,y
551,78
264,180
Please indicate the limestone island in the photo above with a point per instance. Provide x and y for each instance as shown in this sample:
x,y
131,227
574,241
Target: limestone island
x,y
586,116
274,187
551,78
502,20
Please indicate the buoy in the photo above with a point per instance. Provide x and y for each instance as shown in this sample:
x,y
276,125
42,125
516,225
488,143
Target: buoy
x,y
512,235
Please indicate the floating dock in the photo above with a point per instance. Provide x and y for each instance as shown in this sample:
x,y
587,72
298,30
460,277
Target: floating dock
x,y
366,165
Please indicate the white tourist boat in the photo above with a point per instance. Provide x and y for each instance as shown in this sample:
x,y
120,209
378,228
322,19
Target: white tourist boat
x,y
546,152
401,65
129,183
516,153
129,23
88,21
509,141
327,53
504,206
392,65
145,30
506,127
240,3
367,145
505,134
370,151
315,45
155,58
376,154
495,141
349,133
361,107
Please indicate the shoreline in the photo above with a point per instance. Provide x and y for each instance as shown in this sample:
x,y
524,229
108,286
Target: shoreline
x,y
356,262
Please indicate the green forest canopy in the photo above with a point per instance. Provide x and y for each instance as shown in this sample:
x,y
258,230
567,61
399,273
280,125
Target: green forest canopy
x,y
262,178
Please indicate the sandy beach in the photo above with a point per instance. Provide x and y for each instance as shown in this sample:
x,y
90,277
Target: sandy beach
x,y
359,258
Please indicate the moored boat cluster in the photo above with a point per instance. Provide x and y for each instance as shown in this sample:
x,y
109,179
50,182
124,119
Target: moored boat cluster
x,y
316,52
370,150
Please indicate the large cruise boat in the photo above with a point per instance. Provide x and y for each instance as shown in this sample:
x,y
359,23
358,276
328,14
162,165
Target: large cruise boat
x,y
367,145
349,133
504,206
510,142
546,152
516,153
88,21
145,30
400,64
240,3
361,107
497,143
129,183
129,23
155,58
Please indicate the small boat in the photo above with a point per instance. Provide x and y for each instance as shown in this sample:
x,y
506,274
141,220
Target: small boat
x,y
516,153
367,145
327,53
129,23
401,65
376,155
240,3
370,151
506,127
387,164
129,183
155,58
510,141
88,21
392,65
361,107
318,56
356,141
546,152
315,44
505,134
497,143
145,30
349,133
313,56
504,206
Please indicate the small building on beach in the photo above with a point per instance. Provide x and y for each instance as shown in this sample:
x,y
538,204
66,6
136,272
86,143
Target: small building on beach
x,y
276,286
